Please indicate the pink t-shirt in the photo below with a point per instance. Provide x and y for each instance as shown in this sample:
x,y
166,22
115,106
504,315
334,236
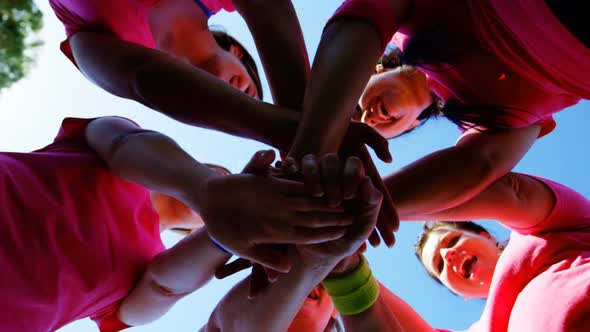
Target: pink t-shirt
x,y
542,279
528,64
75,238
125,19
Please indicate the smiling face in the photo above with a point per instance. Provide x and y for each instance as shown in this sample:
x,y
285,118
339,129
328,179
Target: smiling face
x,y
228,67
463,261
393,99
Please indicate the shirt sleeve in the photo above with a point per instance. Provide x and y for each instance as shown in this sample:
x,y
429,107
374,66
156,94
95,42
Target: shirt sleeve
x,y
547,126
571,211
378,13
108,321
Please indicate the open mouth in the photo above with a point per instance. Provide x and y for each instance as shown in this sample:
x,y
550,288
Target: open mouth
x,y
466,266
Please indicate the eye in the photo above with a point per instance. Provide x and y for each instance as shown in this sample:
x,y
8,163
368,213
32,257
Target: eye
x,y
452,241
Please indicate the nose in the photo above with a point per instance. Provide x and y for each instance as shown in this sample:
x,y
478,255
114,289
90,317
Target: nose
x,y
372,118
242,84
448,254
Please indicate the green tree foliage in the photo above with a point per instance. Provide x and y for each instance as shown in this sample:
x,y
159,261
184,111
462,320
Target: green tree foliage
x,y
20,20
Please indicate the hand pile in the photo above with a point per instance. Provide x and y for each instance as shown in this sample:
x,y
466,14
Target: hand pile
x,y
324,213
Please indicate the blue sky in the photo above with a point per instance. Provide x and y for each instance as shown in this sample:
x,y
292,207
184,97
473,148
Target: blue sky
x,y
33,109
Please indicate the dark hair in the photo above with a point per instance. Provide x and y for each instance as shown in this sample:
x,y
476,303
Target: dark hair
x,y
433,47
429,227
392,59
225,41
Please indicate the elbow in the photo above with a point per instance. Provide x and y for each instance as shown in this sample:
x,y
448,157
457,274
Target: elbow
x,y
160,283
486,167
143,82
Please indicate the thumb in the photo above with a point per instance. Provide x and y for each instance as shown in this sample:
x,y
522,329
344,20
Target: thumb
x,y
260,162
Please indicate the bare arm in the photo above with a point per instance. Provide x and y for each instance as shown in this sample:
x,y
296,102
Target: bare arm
x,y
279,40
179,90
449,177
516,200
271,310
174,273
345,60
339,74
149,158
389,313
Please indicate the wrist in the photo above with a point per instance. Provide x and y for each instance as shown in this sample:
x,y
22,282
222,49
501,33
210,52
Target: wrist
x,y
345,266
354,292
283,127
195,187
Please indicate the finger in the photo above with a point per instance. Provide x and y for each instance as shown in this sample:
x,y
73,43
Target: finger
x,y
289,165
385,224
378,143
351,177
321,219
363,248
232,268
374,239
260,162
269,256
271,275
330,172
258,281
306,204
288,187
311,176
302,235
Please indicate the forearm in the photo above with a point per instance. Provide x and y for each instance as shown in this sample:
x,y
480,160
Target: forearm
x,y
515,199
279,40
339,74
174,273
439,181
178,90
271,310
157,162
389,313
450,177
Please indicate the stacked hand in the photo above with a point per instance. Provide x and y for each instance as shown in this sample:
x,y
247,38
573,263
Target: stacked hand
x,y
340,186
248,213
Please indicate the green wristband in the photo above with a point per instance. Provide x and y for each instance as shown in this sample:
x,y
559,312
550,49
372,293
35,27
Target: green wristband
x,y
355,292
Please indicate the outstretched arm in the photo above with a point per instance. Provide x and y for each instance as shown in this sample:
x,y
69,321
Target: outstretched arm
x,y
273,309
279,40
516,200
346,57
453,176
179,90
173,274
388,313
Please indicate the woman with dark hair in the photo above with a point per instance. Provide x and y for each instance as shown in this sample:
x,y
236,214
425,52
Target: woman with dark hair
x,y
538,281
501,67
163,55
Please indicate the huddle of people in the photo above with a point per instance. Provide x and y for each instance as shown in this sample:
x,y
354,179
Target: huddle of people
x,y
82,216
